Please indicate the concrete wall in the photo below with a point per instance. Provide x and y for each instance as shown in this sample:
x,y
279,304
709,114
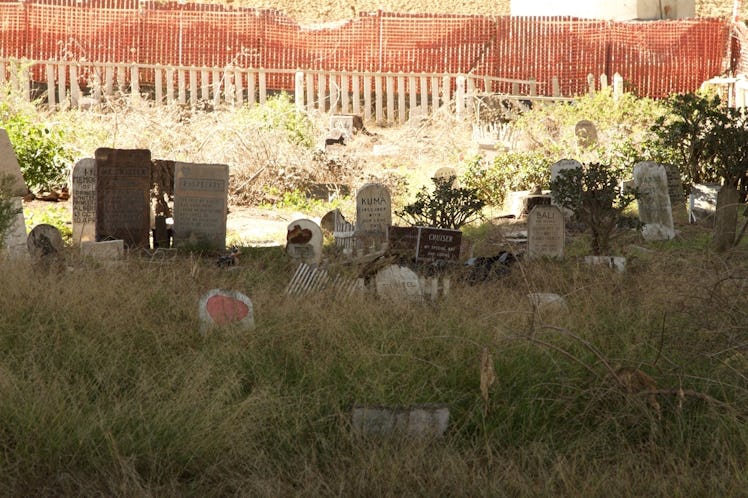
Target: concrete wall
x,y
620,10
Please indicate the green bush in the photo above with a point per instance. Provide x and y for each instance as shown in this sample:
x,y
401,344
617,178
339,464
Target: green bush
x,y
448,206
280,113
508,172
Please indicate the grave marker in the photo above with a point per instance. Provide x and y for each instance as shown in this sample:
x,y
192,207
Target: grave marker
x,y
445,174
200,205
220,307
398,283
425,244
373,212
586,133
84,201
45,246
123,181
546,232
107,250
9,166
556,169
702,202
425,420
676,194
304,241
726,218
15,238
655,212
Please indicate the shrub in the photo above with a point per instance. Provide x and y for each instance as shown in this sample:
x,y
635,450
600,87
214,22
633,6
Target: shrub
x,y
511,171
447,206
279,113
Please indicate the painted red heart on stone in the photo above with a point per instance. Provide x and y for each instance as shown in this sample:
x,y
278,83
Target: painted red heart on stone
x,y
225,309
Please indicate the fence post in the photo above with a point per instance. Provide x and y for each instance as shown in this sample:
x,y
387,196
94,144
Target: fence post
x,y
401,98
263,90
356,91
61,83
555,87
158,83
460,96
75,91
367,97
390,98
424,96
109,81
435,93
298,90
603,81
617,87
182,86
344,96
193,87
412,97
239,83
216,88
169,85
50,83
591,84
134,82
322,91
379,101
251,88
334,94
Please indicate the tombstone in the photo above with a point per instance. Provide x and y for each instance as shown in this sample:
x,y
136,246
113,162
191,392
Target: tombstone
x,y
373,213
341,125
200,205
586,133
425,244
676,193
9,167
45,247
726,218
304,241
547,302
556,169
107,250
398,283
16,238
546,231
224,308
617,263
446,174
123,184
655,213
84,201
418,421
702,202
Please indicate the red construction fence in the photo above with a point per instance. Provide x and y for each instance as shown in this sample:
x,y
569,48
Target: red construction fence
x,y
655,57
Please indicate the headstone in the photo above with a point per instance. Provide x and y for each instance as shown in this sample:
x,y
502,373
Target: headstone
x,y
9,167
341,124
546,232
108,250
558,167
676,193
45,246
398,283
655,213
702,202
446,174
418,421
15,238
586,133
200,205
84,201
547,302
726,218
373,213
123,181
425,244
219,308
617,263
304,241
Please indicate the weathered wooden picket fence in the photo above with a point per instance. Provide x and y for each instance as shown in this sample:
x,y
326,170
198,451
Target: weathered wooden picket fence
x,y
383,97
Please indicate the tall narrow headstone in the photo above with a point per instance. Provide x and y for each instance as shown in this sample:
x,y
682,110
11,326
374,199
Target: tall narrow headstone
x,y
123,180
655,213
373,212
545,232
9,167
15,238
84,201
676,193
726,218
304,241
556,169
200,205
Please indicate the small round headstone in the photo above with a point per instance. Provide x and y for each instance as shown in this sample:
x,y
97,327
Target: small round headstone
x,y
586,133
45,245
220,307
398,282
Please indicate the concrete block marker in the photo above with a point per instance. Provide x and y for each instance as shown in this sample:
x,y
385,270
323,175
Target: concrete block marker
x,y
417,421
220,308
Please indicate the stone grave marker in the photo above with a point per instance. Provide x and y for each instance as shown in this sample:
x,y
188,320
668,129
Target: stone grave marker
x,y
547,302
123,183
651,182
107,250
45,247
84,201
546,232
445,174
425,244
304,241
341,125
373,213
220,308
9,166
200,205
586,133
702,202
15,238
418,421
556,169
398,283
726,218
676,193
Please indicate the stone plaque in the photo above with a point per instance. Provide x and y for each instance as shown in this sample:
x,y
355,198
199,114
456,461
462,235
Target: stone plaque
x,y
200,205
123,181
46,247
373,210
341,124
556,170
108,250
586,133
9,166
304,241
545,232
726,218
703,202
84,201
220,307
655,212
398,282
425,244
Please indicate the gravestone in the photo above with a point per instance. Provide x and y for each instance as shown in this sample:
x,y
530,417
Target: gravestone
x,y
9,167
676,193
15,238
107,250
556,169
425,244
547,302
223,308
617,263
341,125
545,232
45,247
586,133
418,421
304,241
123,183
655,213
398,283
200,205
84,201
446,174
373,213
726,218
702,202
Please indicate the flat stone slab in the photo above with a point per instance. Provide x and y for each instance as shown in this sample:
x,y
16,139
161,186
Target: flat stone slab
x,y
419,421
108,250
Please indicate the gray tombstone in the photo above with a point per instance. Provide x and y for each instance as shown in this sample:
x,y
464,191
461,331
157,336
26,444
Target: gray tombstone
x,y
556,169
341,125
676,193
373,212
545,232
398,283
108,250
84,201
703,202
586,133
304,241
9,166
418,421
655,213
446,174
15,238
123,184
225,308
200,205
46,247
726,218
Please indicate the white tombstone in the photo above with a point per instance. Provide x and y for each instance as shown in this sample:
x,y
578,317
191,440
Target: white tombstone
x,y
9,166
15,238
556,169
702,202
304,241
225,308
546,231
650,180
83,183
398,283
106,250
547,302
373,211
